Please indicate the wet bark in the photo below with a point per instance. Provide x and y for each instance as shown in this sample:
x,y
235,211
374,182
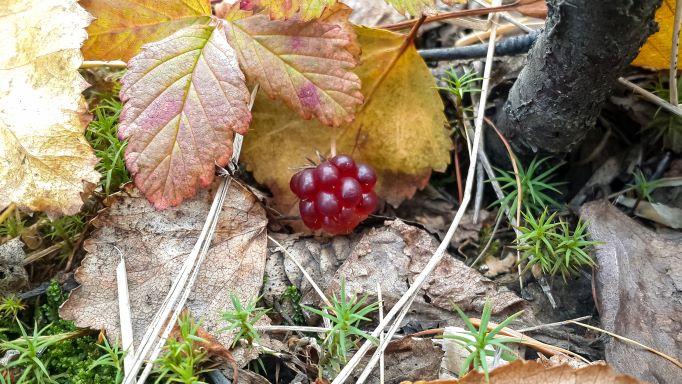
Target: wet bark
x,y
572,68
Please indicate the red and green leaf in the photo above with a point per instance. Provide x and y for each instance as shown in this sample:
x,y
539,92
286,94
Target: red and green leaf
x,y
308,65
123,26
185,96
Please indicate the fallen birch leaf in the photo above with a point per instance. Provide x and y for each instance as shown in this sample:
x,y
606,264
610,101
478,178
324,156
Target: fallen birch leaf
x,y
655,54
531,372
637,289
185,97
45,162
400,130
123,26
305,64
154,245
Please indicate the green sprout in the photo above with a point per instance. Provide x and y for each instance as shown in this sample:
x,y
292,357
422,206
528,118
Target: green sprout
x,y
182,355
460,85
293,296
535,186
101,134
12,226
553,246
243,319
31,347
10,306
112,357
345,314
643,187
481,343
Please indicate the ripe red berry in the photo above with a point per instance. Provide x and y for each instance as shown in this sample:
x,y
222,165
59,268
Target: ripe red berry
x,y
327,175
345,164
303,184
366,177
336,195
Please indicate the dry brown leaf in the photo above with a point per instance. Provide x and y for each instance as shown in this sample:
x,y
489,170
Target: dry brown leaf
x,y
400,130
532,8
155,244
655,54
45,162
531,372
395,254
637,291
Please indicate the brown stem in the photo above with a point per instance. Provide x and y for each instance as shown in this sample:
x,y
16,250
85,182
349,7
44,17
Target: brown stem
x,y
458,173
450,15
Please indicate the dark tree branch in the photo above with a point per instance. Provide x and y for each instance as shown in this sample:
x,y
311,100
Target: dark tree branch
x,y
571,69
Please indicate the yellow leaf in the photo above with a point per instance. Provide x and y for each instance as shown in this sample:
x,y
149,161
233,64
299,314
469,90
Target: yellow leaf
x,y
44,158
655,54
400,130
123,26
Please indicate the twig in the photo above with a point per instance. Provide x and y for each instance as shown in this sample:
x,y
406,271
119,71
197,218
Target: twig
x,y
124,315
675,49
558,323
382,373
651,97
519,192
97,63
37,255
8,211
506,47
290,328
630,341
303,271
458,173
480,186
406,299
490,240
451,15
507,16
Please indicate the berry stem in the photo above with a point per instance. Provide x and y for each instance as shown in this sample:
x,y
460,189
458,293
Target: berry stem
x,y
333,144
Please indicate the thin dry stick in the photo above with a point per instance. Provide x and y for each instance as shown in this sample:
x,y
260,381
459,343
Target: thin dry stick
x,y
124,315
519,195
549,325
451,15
382,365
8,211
630,341
290,328
507,16
651,97
674,100
408,297
326,321
303,271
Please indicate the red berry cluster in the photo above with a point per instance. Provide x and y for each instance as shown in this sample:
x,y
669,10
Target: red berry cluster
x,y
336,195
